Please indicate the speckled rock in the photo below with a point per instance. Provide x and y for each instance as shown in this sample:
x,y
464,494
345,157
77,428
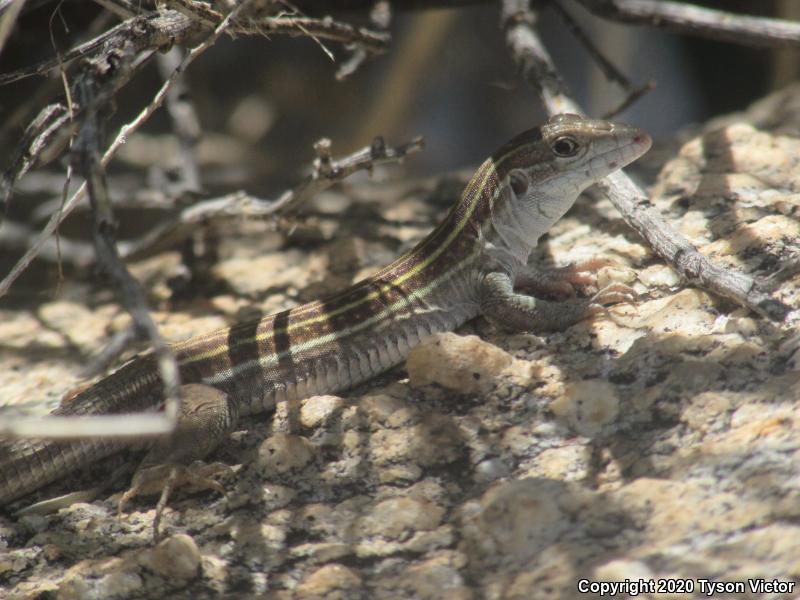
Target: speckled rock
x,y
336,582
587,405
319,410
514,521
659,441
177,557
464,364
434,441
397,517
282,453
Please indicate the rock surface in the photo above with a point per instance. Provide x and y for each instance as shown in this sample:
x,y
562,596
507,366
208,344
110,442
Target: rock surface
x,y
660,442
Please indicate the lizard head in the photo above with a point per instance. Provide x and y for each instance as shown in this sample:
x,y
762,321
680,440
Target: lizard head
x,y
539,174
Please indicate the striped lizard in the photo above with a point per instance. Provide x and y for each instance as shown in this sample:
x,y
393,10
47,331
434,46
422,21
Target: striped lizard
x,y
467,266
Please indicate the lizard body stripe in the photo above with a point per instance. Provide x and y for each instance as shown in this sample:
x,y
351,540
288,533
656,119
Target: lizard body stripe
x,y
491,167
392,311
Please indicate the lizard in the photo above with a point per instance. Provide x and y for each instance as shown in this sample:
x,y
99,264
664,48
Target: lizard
x,y
469,265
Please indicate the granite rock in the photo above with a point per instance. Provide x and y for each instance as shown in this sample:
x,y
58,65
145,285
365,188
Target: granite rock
x,y
659,441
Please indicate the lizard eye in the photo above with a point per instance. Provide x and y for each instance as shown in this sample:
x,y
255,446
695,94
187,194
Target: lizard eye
x,y
518,182
565,146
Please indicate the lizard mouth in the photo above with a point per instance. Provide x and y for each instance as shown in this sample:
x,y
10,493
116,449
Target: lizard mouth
x,y
613,159
642,142
639,143
625,153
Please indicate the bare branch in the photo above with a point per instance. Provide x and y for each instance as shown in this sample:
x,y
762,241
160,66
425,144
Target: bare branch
x,y
696,20
124,132
161,29
611,72
138,31
92,95
325,173
142,34
46,135
89,162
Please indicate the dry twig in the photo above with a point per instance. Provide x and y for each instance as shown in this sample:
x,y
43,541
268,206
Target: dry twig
x,y
86,162
683,17
611,72
142,35
160,29
325,172
42,133
87,159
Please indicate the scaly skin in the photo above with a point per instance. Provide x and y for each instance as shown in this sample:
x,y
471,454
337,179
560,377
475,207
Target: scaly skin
x,y
467,266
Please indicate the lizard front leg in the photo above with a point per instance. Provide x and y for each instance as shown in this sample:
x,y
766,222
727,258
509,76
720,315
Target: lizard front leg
x,y
511,310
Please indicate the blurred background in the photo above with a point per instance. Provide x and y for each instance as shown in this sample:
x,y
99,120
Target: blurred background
x,y
447,76
262,103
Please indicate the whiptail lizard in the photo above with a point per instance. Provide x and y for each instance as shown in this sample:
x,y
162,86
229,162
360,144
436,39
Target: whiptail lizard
x,y
467,266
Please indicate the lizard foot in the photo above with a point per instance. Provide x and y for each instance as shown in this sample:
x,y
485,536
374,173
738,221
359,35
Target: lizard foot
x,y
165,478
614,293
561,282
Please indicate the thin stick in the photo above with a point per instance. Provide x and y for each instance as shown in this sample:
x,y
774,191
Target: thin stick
x,y
683,17
234,206
122,137
162,28
159,29
105,426
611,72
